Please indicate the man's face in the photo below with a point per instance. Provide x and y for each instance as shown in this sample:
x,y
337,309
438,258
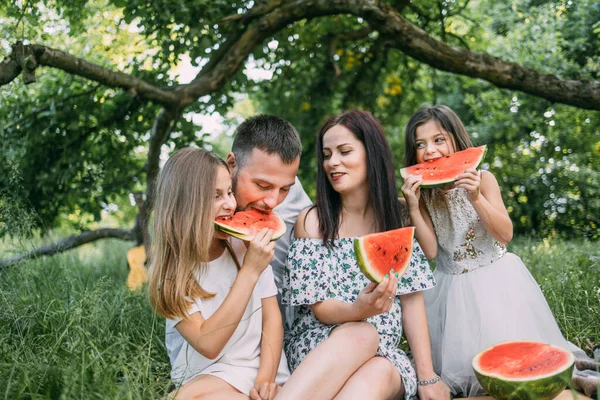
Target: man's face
x,y
263,181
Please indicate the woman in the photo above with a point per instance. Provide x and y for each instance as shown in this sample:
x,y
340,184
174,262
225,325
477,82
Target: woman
x,y
345,337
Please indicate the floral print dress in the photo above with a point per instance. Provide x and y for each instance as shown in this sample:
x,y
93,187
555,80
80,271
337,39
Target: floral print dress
x,y
314,273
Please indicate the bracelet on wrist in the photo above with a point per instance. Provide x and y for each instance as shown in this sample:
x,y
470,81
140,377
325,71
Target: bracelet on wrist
x,y
431,381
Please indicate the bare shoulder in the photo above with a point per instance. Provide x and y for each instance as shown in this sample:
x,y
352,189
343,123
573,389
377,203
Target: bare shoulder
x,y
488,176
488,180
307,224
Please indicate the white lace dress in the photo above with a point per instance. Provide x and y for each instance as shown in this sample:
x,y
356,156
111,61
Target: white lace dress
x,y
484,295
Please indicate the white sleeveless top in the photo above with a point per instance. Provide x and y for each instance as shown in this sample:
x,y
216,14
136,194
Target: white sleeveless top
x,y
463,242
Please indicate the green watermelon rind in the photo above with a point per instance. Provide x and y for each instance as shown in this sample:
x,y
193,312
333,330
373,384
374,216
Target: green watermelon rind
x,y
443,182
364,264
246,237
546,387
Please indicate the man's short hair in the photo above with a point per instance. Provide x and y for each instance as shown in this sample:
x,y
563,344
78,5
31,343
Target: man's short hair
x,y
270,134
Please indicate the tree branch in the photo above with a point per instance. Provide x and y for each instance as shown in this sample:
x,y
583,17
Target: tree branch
x,y
70,243
460,39
416,43
410,39
256,11
403,35
26,58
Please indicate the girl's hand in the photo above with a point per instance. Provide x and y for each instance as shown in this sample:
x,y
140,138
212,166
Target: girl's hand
x,y
412,191
264,391
471,181
437,391
377,298
260,251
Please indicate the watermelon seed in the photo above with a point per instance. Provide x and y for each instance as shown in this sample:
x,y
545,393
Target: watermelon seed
x,y
406,249
384,252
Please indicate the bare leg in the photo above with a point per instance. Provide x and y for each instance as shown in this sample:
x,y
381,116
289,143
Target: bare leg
x,y
377,379
328,366
207,387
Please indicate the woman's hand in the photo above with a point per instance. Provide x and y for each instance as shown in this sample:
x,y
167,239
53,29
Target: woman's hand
x,y
436,391
471,181
377,298
412,191
260,251
264,391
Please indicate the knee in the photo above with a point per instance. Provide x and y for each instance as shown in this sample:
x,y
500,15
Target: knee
x,y
380,371
360,336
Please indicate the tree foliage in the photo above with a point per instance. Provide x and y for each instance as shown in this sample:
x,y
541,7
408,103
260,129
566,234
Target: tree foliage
x,y
92,127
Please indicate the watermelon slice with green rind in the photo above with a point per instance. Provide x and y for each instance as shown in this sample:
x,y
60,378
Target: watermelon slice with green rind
x,y
378,253
245,225
524,370
444,171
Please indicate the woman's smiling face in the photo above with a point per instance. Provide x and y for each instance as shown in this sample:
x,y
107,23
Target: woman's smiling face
x,y
344,159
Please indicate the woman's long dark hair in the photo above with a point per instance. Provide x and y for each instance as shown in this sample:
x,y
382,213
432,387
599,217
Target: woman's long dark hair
x,y
387,209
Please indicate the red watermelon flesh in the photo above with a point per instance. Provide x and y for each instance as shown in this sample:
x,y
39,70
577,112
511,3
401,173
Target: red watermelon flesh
x,y
378,253
246,224
524,370
443,171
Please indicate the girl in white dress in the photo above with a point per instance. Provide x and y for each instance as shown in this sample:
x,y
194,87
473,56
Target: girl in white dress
x,y
224,332
484,295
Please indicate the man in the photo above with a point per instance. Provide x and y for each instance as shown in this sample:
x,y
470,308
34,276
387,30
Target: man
x,y
264,162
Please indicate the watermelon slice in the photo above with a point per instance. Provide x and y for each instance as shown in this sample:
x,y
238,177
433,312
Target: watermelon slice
x,y
245,225
524,370
378,253
443,171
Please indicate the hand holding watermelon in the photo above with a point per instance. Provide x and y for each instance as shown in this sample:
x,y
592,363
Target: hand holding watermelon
x,y
411,188
470,180
260,252
375,298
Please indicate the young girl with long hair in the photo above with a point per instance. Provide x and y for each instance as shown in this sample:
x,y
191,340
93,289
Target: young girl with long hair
x,y
484,294
223,330
344,340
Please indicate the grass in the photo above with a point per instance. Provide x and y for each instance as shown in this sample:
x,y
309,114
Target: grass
x,y
70,329
569,275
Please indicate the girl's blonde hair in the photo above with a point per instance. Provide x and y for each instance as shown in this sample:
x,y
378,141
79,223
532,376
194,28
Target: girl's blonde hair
x,y
183,230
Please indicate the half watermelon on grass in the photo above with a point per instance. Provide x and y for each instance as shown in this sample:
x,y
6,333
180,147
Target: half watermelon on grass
x,y
443,171
524,370
378,253
245,225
